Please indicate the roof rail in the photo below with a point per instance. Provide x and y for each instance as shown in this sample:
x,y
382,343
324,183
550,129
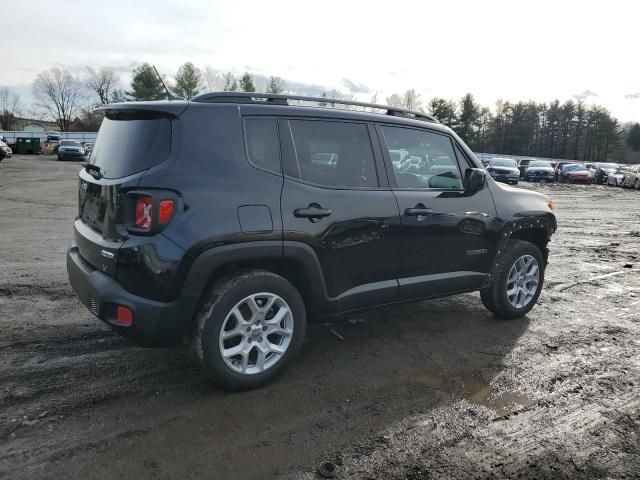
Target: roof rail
x,y
280,99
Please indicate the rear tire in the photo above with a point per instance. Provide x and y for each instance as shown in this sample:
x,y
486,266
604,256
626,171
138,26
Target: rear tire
x,y
249,328
520,259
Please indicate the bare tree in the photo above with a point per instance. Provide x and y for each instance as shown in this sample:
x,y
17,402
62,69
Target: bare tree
x,y
59,94
411,100
210,80
102,82
9,108
395,100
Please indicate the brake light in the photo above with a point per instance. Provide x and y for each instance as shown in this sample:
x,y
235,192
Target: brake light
x,y
124,316
144,211
165,210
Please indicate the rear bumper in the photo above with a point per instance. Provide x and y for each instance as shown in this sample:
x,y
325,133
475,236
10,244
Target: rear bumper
x,y
505,177
534,177
154,323
64,154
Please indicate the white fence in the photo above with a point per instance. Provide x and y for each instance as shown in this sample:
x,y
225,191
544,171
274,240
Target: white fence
x,y
11,137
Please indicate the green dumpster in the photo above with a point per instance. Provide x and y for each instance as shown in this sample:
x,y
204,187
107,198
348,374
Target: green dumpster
x,y
27,146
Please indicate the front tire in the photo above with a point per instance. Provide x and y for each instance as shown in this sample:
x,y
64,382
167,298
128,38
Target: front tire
x,y
517,281
249,328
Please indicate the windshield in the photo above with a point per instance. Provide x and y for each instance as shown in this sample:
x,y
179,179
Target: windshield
x,y
130,142
608,166
573,167
540,164
506,162
70,143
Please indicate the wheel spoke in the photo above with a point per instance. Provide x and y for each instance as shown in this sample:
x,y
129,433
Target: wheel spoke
x,y
239,317
277,318
231,333
275,348
235,350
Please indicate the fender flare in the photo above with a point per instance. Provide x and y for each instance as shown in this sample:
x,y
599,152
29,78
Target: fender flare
x,y
537,220
214,258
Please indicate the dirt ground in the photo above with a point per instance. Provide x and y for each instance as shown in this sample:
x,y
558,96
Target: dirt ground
x,y
438,389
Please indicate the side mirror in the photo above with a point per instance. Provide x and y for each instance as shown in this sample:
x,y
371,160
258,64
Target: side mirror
x,y
474,180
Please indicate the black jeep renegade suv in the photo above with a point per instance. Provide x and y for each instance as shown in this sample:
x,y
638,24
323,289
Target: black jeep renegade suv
x,y
231,218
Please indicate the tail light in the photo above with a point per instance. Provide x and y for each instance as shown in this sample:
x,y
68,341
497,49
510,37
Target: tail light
x,y
149,211
165,210
144,212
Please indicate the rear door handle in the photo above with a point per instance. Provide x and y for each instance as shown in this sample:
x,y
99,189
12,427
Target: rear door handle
x,y
312,212
418,211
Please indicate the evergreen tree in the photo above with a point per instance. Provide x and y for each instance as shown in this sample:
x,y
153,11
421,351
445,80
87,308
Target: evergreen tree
x,y
443,110
468,118
187,80
633,140
246,83
275,85
145,84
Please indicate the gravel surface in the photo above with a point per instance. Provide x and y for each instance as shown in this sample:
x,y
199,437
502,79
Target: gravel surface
x,y
437,389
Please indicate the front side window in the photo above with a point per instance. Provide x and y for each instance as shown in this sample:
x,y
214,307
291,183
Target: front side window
x,y
334,154
262,143
422,159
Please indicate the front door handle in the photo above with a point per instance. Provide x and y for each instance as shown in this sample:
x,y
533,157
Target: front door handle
x,y
312,212
418,210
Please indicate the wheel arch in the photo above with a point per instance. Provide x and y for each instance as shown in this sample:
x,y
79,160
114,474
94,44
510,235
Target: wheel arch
x,y
294,261
536,228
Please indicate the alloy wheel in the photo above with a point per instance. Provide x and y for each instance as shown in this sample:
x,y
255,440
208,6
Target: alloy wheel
x,y
256,333
523,281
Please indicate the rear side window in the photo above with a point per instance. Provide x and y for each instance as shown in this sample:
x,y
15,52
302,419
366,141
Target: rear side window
x,y
422,159
334,154
261,137
130,142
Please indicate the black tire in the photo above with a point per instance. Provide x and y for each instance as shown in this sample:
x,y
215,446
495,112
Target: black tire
x,y
218,302
495,297
636,185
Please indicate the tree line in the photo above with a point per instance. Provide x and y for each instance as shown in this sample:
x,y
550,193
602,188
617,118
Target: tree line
x,y
570,130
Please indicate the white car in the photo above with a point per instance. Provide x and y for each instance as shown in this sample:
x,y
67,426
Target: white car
x,y
616,178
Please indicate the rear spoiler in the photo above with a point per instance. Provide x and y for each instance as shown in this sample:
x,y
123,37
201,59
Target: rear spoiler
x,y
161,108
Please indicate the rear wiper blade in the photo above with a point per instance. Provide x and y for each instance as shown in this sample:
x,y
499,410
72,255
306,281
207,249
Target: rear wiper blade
x,y
93,170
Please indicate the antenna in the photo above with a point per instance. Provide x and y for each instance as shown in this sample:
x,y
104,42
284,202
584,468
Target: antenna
x,y
170,96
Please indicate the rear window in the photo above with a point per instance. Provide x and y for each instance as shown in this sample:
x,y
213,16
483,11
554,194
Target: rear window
x,y
130,142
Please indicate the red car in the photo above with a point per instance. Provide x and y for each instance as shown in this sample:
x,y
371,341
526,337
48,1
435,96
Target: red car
x,y
574,173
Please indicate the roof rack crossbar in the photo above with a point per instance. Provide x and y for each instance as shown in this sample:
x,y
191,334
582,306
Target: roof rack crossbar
x,y
280,99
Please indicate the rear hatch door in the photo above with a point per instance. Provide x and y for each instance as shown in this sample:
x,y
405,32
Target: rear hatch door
x,y
130,141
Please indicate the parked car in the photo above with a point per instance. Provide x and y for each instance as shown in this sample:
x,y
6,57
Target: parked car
x,y
540,171
631,177
522,166
504,170
616,178
70,149
602,170
5,150
54,137
574,173
558,167
209,218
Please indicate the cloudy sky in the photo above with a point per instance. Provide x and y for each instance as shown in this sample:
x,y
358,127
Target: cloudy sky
x,y
513,50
